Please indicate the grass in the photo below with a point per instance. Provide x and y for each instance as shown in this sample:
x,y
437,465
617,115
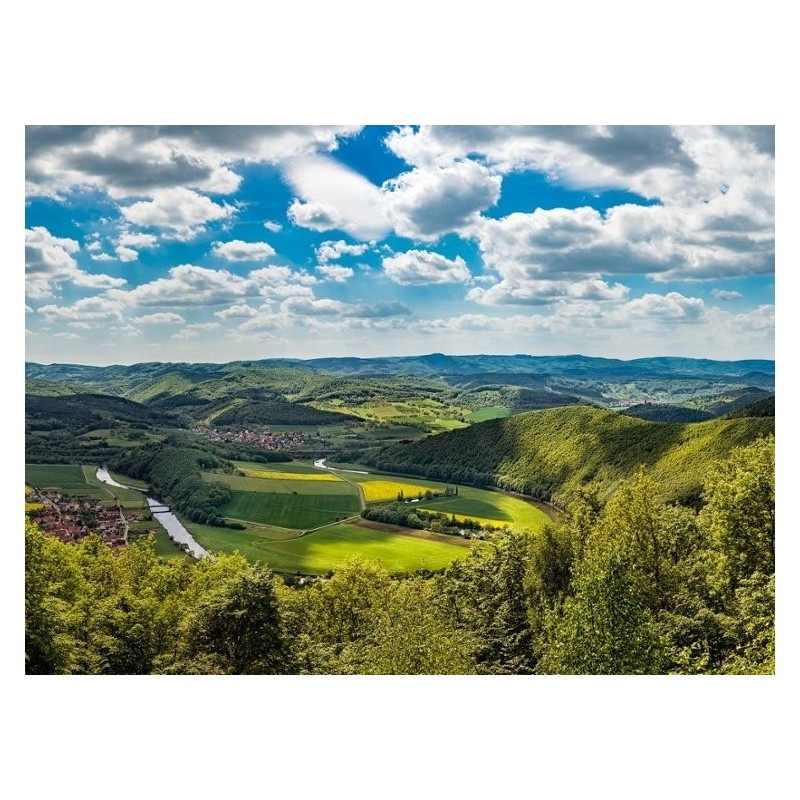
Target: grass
x,y
75,480
489,412
492,508
330,548
295,467
164,546
298,511
294,483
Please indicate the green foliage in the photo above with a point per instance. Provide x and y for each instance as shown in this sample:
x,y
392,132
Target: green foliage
x,y
740,509
557,452
278,412
632,585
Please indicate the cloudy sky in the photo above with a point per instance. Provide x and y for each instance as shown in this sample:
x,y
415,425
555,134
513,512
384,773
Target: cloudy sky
x,y
182,243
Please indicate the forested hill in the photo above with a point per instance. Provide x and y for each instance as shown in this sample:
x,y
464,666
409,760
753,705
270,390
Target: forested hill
x,y
434,364
551,454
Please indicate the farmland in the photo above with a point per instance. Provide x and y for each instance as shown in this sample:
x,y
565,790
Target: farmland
x,y
73,479
330,548
483,506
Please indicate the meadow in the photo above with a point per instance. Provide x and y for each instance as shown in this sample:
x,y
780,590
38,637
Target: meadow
x,y
330,548
481,505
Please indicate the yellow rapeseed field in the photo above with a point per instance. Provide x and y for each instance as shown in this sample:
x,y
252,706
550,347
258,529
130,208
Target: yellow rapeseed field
x,y
291,476
375,491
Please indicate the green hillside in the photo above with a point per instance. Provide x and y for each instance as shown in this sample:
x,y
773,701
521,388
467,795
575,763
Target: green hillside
x,y
555,452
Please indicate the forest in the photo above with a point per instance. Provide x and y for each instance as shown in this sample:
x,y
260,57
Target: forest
x,y
626,582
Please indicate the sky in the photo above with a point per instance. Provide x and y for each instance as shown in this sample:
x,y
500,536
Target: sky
x,y
220,243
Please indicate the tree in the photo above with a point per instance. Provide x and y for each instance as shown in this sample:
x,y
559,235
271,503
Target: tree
x,y
239,628
740,510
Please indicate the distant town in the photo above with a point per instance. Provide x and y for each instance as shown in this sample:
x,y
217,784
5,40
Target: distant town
x,y
71,519
269,441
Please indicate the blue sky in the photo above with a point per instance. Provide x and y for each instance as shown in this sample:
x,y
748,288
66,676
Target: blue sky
x,y
181,243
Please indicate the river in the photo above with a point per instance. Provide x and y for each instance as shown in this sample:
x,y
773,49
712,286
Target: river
x,y
168,521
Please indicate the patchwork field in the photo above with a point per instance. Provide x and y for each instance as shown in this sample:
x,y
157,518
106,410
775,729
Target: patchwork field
x,y
330,548
481,505
73,479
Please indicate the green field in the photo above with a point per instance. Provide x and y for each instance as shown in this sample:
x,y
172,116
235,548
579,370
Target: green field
x,y
493,508
481,505
299,511
330,548
302,484
73,479
489,412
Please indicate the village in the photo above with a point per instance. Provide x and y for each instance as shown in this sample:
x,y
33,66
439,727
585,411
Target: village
x,y
267,440
71,519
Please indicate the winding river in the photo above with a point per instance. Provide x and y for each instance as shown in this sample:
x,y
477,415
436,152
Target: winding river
x,y
168,521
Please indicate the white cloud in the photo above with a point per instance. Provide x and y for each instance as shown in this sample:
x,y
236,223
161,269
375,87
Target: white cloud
x,y
330,251
94,246
126,254
143,241
238,250
102,257
238,311
418,267
335,273
49,262
335,198
140,161
160,318
672,305
724,294
273,227
182,211
428,202
538,292
88,309
189,285
308,306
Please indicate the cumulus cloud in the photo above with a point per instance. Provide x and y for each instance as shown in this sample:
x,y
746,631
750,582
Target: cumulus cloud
x,y
594,156
88,309
419,267
142,160
334,197
126,253
160,318
540,292
379,310
142,241
238,250
182,212
273,227
188,285
237,311
50,261
330,251
430,201
725,294
335,273
672,305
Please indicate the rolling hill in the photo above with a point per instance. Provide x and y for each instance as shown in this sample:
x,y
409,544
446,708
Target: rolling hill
x,y
552,454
